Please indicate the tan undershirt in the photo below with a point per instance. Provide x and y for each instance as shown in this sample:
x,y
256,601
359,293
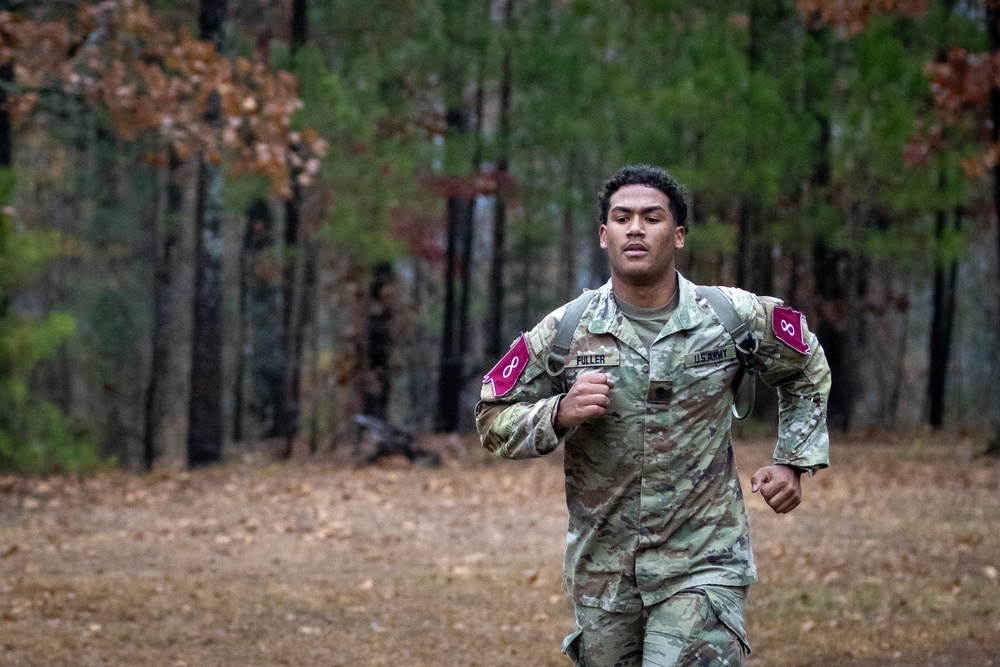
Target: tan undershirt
x,y
648,322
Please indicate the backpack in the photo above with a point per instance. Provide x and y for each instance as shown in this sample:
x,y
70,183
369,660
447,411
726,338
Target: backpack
x,y
746,352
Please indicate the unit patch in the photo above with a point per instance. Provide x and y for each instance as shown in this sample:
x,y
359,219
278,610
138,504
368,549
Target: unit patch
x,y
504,375
710,356
787,325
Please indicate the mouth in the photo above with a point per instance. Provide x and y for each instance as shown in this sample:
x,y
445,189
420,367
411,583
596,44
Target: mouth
x,y
635,250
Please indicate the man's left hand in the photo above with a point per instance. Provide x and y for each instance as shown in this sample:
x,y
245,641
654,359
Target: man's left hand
x,y
780,487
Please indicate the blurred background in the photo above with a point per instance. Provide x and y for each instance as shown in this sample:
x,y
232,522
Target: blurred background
x,y
235,222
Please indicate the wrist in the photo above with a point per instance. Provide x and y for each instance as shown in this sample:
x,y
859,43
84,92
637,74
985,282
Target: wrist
x,y
557,416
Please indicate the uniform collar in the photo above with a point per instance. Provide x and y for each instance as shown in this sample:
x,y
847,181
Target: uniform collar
x,y
609,318
688,314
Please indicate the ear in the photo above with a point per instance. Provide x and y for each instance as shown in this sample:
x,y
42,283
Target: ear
x,y
679,239
603,233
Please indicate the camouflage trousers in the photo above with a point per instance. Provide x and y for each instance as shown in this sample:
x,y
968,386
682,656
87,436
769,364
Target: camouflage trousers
x,y
698,627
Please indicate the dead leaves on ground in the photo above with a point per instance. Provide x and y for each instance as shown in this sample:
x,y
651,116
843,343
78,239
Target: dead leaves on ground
x,y
468,556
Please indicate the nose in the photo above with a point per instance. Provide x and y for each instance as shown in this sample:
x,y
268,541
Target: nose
x,y
635,226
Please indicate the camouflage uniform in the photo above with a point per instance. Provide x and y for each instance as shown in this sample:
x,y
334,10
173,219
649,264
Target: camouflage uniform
x,y
655,505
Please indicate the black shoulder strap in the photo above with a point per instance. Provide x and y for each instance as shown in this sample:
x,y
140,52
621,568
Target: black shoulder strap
x,y
745,341
556,361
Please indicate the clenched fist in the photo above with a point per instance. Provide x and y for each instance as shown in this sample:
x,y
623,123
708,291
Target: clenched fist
x,y
780,486
588,397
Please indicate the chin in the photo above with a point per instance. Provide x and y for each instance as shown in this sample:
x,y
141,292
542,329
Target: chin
x,y
640,279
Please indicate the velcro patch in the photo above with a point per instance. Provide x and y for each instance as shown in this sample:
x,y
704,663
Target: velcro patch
x,y
710,356
787,324
594,358
504,375
660,391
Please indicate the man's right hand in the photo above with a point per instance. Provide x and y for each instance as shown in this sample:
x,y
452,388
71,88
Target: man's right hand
x,y
588,397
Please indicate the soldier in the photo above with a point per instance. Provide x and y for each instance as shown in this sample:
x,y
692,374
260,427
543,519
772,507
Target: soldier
x,y
658,558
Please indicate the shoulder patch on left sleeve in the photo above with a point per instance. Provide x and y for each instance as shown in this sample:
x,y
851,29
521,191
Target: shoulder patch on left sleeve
x,y
788,328
505,374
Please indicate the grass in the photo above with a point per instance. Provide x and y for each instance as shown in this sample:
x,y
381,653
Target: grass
x,y
893,558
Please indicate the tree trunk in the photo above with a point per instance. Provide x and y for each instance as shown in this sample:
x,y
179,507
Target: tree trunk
x,y
754,270
205,409
300,23
164,240
6,81
6,150
828,265
6,153
293,279
379,348
244,349
753,262
568,247
494,322
993,31
458,263
315,376
255,237
468,236
205,431
942,319
895,391
459,211
852,327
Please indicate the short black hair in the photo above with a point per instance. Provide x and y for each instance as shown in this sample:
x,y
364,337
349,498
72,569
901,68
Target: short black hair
x,y
654,177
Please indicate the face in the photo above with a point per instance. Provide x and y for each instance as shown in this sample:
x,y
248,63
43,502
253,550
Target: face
x,y
640,235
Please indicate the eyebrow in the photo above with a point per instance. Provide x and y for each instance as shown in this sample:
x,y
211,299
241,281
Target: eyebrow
x,y
647,209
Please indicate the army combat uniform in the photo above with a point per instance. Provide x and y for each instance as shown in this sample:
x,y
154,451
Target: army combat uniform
x,y
656,512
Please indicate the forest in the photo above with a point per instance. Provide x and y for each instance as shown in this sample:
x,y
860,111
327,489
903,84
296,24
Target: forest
x,y
229,222
253,251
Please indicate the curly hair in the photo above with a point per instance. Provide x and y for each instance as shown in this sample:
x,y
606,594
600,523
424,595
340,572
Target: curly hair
x,y
654,177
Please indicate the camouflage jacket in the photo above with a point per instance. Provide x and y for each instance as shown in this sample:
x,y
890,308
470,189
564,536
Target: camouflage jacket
x,y
655,503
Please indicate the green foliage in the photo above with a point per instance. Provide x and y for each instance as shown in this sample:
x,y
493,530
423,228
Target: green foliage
x,y
797,130
240,191
35,437
712,235
372,169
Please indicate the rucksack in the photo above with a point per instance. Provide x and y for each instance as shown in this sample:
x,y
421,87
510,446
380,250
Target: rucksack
x,y
746,351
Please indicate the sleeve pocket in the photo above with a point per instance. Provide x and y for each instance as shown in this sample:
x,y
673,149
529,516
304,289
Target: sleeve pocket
x,y
571,647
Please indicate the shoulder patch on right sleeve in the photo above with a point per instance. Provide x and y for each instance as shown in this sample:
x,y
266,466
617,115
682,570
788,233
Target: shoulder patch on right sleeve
x,y
505,374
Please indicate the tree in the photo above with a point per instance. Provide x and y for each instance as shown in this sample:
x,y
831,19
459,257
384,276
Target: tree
x,y
164,241
993,33
965,91
182,97
35,436
463,130
498,262
205,431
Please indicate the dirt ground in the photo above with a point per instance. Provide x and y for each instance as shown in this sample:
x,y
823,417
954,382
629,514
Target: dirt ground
x,y
892,560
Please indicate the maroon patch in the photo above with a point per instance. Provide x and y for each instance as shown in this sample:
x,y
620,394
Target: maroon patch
x,y
504,375
788,328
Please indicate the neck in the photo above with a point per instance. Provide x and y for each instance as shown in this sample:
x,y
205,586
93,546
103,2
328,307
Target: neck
x,y
651,295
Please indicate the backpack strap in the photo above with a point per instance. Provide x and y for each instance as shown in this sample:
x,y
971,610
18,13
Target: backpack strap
x,y
746,343
556,361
